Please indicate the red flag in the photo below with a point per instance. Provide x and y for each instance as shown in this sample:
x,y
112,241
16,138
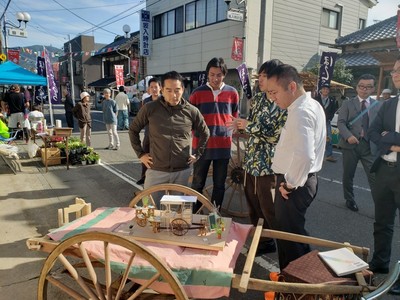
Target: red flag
x,y
119,75
13,55
398,29
237,49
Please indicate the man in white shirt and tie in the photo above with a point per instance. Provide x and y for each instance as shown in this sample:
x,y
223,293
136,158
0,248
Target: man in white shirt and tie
x,y
384,132
299,154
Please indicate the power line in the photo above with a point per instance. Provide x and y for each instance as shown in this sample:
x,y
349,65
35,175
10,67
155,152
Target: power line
x,y
79,8
83,18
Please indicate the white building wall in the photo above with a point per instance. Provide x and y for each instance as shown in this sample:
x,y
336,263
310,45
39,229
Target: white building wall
x,y
292,33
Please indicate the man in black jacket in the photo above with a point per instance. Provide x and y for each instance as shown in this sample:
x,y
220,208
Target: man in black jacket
x,y
329,105
385,133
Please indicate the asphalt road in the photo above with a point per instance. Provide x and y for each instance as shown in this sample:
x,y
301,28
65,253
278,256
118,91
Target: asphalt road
x,y
113,183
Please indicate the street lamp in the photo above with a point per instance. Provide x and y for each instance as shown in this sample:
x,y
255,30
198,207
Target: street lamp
x,y
15,30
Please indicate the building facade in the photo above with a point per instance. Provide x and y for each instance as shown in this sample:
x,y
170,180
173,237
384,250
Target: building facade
x,y
187,33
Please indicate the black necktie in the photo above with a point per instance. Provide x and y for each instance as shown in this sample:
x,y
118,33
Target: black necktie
x,y
365,119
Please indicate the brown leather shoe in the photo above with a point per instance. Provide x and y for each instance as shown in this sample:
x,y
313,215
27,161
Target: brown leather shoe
x,y
331,159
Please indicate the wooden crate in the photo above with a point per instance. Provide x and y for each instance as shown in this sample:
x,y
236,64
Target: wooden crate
x,y
53,156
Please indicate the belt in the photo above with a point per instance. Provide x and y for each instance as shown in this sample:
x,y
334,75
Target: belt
x,y
391,164
308,176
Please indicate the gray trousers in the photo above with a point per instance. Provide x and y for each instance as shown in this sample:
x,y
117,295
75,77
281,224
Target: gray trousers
x,y
154,177
351,157
387,202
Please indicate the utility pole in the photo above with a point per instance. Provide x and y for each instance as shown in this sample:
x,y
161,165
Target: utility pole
x,y
71,67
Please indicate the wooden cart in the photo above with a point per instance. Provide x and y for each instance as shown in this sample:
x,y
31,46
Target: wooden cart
x,y
74,269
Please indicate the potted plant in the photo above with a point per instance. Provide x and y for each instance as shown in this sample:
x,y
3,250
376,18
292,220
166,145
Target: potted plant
x,y
218,231
84,159
93,158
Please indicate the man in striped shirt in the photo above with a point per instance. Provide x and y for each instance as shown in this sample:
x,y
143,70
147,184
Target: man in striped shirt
x,y
218,103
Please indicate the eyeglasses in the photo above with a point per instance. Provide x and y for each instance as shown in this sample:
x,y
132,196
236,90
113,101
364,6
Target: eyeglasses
x,y
394,72
365,87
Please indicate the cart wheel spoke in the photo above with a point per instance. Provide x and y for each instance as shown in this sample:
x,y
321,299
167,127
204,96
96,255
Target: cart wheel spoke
x,y
100,266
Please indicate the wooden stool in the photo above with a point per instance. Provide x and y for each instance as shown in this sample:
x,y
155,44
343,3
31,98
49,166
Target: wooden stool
x,y
80,208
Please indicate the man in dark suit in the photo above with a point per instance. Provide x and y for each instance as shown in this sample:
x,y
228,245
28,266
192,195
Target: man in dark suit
x,y
354,141
329,105
384,131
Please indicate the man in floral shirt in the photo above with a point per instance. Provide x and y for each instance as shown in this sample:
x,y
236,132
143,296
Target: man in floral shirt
x,y
263,127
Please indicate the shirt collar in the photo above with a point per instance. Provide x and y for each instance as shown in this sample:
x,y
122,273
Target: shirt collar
x,y
296,103
222,86
361,100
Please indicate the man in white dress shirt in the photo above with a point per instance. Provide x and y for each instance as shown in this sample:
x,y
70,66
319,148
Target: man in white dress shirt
x,y
299,154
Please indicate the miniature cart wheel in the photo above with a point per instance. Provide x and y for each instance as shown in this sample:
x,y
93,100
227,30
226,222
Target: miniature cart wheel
x,y
179,226
71,270
141,220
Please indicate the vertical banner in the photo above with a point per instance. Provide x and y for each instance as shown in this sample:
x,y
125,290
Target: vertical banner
x,y
13,55
40,91
245,80
119,75
202,78
327,64
135,68
145,30
52,87
398,29
237,49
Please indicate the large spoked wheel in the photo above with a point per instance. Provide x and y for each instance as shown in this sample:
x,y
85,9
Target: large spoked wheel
x,y
71,272
179,226
234,201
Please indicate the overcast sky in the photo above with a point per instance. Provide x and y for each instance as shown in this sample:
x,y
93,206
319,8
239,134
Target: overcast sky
x,y
383,10
51,23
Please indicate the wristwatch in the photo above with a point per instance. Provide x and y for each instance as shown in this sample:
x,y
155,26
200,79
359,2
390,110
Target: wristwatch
x,y
287,189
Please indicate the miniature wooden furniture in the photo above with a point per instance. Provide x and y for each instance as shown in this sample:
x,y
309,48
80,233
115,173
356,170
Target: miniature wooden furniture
x,y
169,189
80,208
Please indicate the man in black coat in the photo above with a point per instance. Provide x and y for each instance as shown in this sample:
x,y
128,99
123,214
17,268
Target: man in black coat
x,y
329,105
68,106
385,133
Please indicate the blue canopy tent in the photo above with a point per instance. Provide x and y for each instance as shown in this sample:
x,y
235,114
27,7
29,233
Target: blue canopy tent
x,y
11,73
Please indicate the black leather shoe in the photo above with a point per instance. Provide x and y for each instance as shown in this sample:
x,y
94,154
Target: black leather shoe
x,y
266,247
352,205
395,289
141,180
375,269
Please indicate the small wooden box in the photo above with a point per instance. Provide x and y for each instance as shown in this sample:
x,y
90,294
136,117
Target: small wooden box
x,y
63,131
53,156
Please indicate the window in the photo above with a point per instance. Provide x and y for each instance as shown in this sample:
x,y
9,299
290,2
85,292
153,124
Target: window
x,y
204,12
190,15
361,23
330,18
211,14
168,23
200,13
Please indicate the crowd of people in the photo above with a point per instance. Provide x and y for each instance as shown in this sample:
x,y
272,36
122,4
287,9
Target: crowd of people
x,y
288,139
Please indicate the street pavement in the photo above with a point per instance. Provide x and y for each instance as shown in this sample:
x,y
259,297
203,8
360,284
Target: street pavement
x,y
30,199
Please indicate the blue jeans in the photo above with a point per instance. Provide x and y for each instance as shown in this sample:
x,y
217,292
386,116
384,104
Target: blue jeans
x,y
329,147
220,170
123,119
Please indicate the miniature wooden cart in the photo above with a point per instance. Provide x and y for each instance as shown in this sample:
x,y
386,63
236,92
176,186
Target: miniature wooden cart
x,y
72,267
